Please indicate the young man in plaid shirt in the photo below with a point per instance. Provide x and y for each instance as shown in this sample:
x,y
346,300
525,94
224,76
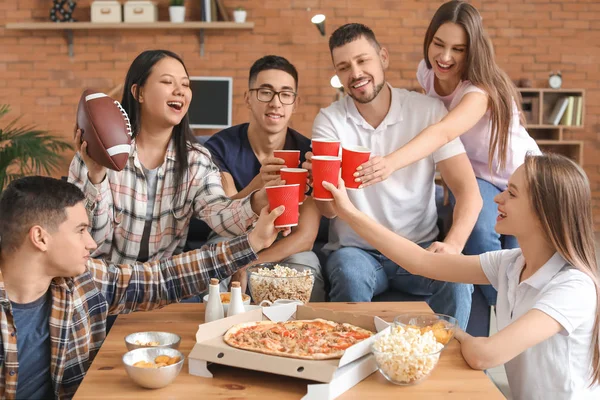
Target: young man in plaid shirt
x,y
55,299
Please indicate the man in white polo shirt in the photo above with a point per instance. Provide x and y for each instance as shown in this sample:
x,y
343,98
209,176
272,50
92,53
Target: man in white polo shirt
x,y
383,118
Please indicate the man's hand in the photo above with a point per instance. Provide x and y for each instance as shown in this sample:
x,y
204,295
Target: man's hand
x,y
268,176
444,248
259,200
264,233
269,169
308,166
96,172
377,169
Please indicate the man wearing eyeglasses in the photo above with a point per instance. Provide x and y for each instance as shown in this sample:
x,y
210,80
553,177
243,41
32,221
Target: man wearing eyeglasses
x,y
245,155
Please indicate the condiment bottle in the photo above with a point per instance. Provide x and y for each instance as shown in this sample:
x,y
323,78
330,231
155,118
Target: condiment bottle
x,y
214,307
236,304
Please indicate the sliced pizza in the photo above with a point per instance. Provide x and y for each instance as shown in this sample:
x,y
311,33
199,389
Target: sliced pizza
x,y
316,339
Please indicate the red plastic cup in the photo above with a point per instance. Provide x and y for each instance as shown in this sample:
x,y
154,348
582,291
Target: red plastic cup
x,y
293,176
326,147
352,158
284,195
291,157
325,168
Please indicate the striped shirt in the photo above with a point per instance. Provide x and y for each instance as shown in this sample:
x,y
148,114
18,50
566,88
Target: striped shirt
x,y
80,306
117,206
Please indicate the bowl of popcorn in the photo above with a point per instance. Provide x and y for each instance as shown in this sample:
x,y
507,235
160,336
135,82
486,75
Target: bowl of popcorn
x,y
275,281
153,368
442,326
405,356
140,340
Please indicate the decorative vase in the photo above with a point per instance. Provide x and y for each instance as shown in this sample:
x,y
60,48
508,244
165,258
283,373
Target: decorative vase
x,y
177,14
239,16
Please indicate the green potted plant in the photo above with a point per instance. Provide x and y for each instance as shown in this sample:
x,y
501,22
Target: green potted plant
x,y
177,11
239,14
25,150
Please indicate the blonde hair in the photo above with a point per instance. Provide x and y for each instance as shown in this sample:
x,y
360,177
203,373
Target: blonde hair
x,y
561,197
482,71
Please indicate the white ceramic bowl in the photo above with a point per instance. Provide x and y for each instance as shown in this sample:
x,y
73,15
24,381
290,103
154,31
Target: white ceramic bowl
x,y
141,340
152,378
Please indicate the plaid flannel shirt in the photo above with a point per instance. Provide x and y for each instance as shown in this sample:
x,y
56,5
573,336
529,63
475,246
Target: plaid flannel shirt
x,y
117,206
80,306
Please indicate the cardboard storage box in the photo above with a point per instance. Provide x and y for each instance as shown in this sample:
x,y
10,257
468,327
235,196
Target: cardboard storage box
x,y
140,11
337,375
106,11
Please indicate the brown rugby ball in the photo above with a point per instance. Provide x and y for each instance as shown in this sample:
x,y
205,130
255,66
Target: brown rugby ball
x,y
106,129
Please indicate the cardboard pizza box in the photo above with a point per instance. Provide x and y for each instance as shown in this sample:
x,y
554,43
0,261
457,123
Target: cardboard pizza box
x,y
337,375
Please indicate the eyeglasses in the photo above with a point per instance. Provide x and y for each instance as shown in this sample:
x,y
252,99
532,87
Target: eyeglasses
x,y
286,97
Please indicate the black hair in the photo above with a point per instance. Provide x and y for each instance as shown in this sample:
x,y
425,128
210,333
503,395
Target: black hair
x,y
137,74
272,62
351,32
34,200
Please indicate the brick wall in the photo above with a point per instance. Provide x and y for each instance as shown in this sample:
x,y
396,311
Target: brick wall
x,y
40,81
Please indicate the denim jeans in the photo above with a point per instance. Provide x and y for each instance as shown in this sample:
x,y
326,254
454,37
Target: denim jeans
x,y
484,237
358,275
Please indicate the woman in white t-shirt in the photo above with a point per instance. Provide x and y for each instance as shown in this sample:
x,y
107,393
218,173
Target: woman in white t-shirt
x,y
548,292
459,68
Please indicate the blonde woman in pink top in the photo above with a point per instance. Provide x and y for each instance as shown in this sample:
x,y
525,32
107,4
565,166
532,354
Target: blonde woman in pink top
x,y
459,68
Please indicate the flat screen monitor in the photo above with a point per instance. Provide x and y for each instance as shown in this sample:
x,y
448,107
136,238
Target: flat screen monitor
x,y
211,102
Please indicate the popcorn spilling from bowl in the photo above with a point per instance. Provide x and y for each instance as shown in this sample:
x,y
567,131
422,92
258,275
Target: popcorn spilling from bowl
x,y
407,354
271,284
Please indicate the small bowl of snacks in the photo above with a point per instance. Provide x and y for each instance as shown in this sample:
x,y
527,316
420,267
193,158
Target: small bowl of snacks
x,y
226,299
152,367
405,356
140,340
275,281
442,326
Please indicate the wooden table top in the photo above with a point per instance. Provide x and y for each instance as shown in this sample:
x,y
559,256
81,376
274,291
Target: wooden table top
x,y
106,378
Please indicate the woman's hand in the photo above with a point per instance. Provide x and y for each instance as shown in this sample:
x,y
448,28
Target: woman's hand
x,y
96,172
376,170
341,203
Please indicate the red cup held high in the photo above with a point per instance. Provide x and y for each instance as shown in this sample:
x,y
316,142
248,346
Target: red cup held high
x,y
352,158
326,147
291,157
324,168
298,176
287,196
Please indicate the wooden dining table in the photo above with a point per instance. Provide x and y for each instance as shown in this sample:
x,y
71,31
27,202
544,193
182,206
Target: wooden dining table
x,y
106,378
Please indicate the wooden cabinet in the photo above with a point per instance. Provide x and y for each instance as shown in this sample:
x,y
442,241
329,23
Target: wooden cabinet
x,y
552,115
